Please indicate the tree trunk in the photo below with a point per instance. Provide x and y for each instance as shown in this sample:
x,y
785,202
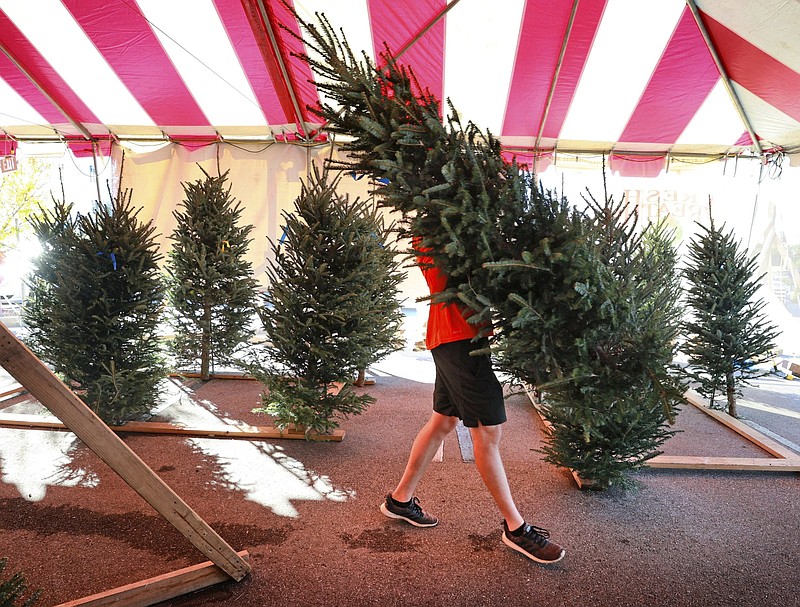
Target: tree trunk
x,y
731,393
205,344
361,375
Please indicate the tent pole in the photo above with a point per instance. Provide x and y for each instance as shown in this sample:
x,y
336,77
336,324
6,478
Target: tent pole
x,y
724,75
433,21
78,126
554,81
95,146
282,65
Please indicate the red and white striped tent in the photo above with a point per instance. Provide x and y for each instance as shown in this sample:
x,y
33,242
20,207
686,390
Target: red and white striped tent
x,y
638,80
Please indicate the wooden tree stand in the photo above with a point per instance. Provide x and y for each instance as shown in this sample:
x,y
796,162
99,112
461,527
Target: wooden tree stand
x,y
244,432
225,563
37,422
782,460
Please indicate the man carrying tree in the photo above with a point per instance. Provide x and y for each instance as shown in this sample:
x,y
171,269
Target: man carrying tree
x,y
466,388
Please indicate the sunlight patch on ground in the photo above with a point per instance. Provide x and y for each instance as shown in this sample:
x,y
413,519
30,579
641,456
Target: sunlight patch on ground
x,y
767,408
407,364
260,470
33,460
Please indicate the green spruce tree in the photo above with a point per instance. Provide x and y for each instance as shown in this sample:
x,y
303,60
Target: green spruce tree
x,y
728,330
95,304
331,309
211,287
14,588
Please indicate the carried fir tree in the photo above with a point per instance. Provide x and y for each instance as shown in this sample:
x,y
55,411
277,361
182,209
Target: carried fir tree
x,y
332,307
612,340
211,287
95,305
504,243
728,331
14,588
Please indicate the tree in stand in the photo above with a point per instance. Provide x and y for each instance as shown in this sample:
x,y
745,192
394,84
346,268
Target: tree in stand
x,y
728,330
487,223
95,305
211,287
13,588
332,307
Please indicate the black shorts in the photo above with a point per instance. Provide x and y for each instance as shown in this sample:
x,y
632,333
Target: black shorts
x,y
466,386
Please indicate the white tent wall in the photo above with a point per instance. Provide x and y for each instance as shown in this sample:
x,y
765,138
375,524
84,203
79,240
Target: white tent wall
x,y
265,179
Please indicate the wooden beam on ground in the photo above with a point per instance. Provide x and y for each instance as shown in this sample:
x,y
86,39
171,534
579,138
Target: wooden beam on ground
x,y
196,375
12,392
548,426
27,420
751,434
465,443
782,460
157,589
29,371
725,463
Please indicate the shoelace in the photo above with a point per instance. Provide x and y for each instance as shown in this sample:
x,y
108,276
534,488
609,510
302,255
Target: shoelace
x,y
536,534
414,507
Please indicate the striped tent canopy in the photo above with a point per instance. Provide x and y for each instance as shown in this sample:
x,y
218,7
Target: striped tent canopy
x,y
636,80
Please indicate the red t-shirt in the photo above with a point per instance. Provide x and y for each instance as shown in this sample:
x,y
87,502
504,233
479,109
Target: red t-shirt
x,y
446,322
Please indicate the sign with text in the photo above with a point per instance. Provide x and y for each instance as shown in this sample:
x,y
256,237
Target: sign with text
x,y
8,164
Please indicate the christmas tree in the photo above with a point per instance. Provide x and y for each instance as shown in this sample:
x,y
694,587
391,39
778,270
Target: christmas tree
x,y
95,304
728,330
211,288
519,257
13,588
611,340
332,307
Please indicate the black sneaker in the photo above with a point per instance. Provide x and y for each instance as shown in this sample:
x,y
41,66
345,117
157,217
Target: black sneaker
x,y
533,543
413,513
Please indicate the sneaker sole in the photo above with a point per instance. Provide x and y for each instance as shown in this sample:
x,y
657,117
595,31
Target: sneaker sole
x,y
527,554
389,514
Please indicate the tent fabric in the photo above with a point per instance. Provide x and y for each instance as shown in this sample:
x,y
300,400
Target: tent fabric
x,y
639,80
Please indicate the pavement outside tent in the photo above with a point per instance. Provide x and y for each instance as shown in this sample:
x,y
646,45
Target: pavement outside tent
x,y
307,513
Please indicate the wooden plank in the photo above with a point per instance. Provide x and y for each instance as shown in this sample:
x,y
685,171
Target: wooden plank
x,y
767,444
23,420
439,455
195,375
29,371
13,391
465,443
548,426
785,460
725,463
157,589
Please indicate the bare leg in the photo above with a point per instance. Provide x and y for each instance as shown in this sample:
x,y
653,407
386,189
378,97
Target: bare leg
x,y
422,451
486,443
